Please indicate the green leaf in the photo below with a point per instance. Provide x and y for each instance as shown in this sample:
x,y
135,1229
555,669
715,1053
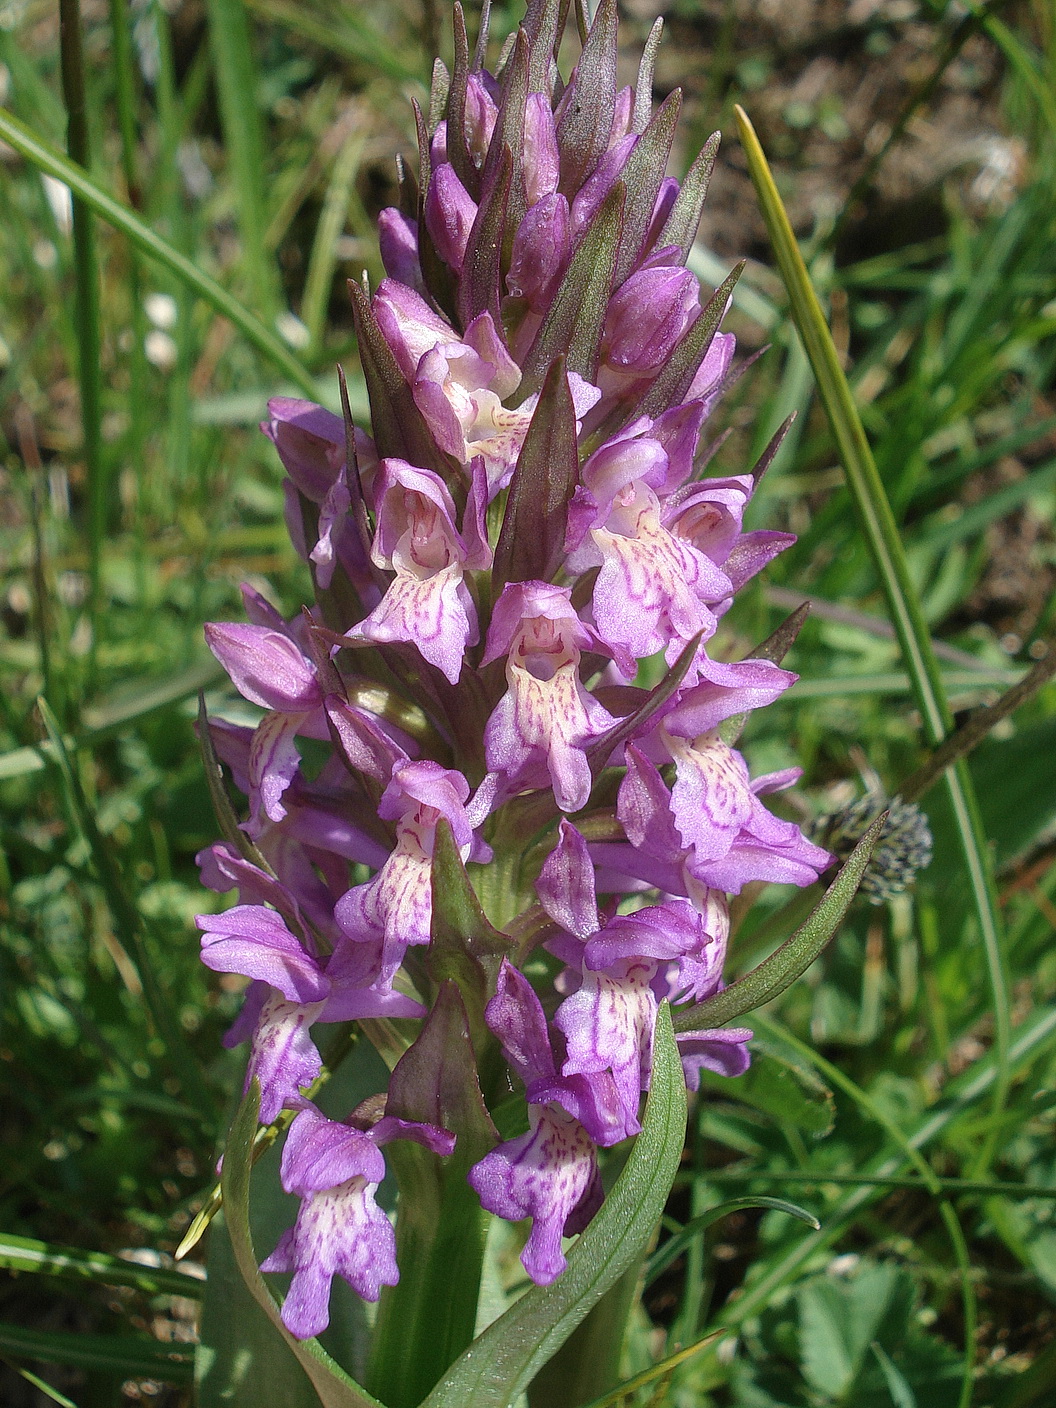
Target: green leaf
x,y
47,159
131,1356
239,1349
480,287
503,1360
902,1396
673,1248
795,955
839,1320
333,1387
681,227
72,1264
642,175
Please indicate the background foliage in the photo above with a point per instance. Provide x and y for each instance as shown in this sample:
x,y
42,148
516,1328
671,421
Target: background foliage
x,y
901,1092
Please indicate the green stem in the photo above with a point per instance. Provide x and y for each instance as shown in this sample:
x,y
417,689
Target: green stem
x,y
1000,1188
125,93
426,1321
86,303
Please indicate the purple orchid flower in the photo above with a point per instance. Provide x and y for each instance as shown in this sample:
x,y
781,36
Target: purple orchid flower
x,y
539,378
335,1170
395,908
428,602
292,989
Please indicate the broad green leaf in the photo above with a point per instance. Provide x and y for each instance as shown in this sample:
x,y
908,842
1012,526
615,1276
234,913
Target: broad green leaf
x,y
47,159
131,1356
902,1396
334,1388
239,1349
839,1320
795,955
502,1361
673,1248
72,1264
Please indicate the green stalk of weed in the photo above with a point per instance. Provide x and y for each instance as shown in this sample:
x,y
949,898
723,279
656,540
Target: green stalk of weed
x,y
886,548
125,95
236,80
86,305
322,260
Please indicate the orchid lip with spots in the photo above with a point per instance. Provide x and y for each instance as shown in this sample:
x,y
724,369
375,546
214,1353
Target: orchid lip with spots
x,y
523,524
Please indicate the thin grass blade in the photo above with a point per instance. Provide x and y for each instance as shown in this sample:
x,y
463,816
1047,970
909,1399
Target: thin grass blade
x,y
885,545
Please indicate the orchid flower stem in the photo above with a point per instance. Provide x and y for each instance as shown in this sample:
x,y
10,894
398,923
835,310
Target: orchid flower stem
x,y
881,535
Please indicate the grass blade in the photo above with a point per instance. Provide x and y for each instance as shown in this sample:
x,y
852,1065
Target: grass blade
x,y
885,545
47,159
676,1245
72,1264
131,1356
236,80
